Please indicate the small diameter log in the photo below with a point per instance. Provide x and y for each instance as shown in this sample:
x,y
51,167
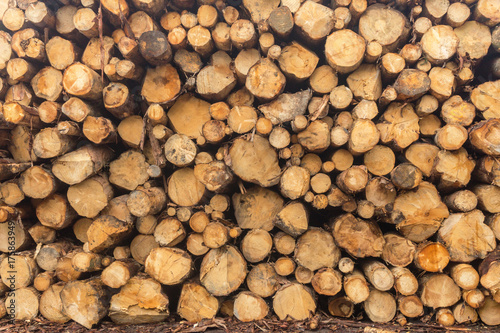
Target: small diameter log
x,y
86,302
483,136
89,197
294,302
327,281
431,257
463,313
378,274
49,255
380,306
439,290
154,47
355,286
143,202
141,246
465,276
410,306
196,303
314,21
119,273
405,282
157,90
41,234
139,301
286,107
49,143
118,100
129,170
266,72
169,232
352,234
55,212
51,307
461,201
107,231
256,245
87,262
474,298
393,26
399,125
340,306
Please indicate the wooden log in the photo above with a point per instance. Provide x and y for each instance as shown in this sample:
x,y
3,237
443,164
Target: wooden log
x,y
263,280
393,28
314,260
76,166
340,306
89,197
463,313
405,282
139,301
119,274
196,303
79,80
292,218
19,271
226,259
86,308
26,303
256,208
439,290
380,306
107,231
430,212
141,246
439,43
482,136
49,254
410,306
474,298
169,232
288,297
398,251
51,307
356,287
169,266
256,245
249,307
118,100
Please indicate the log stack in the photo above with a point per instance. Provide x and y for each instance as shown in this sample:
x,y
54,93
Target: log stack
x,y
258,157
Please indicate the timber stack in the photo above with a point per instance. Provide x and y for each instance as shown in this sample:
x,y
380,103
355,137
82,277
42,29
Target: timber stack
x,y
250,158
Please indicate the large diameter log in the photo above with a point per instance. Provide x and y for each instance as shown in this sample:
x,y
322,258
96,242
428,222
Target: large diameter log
x,y
107,231
86,302
380,306
439,290
25,301
250,307
314,21
51,304
316,249
344,61
263,280
466,236
169,266
161,84
257,208
389,27
188,115
18,271
140,301
196,303
398,251
360,238
264,80
255,161
418,213
129,170
76,166
294,301
431,257
223,270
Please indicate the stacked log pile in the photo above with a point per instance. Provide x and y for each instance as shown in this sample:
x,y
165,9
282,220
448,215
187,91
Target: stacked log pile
x,y
250,158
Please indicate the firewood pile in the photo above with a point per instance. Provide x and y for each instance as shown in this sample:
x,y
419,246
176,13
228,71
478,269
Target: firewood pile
x,y
250,158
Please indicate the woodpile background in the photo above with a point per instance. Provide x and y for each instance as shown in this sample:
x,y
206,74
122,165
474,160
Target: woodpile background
x,y
250,158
